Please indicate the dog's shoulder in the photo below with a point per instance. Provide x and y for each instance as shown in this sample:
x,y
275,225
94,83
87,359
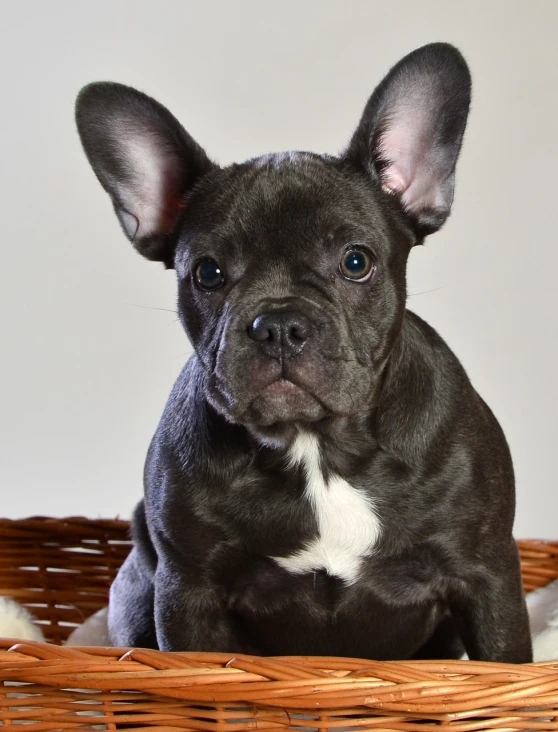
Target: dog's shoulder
x,y
427,400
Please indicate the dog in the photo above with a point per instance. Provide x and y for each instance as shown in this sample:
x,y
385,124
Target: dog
x,y
324,479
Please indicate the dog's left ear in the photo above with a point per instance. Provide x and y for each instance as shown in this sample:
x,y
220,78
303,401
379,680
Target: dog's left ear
x,y
411,130
144,159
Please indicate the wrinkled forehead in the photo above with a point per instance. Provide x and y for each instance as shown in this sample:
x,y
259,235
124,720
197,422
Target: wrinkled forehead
x,y
287,199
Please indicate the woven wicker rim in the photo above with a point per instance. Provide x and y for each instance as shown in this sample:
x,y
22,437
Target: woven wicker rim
x,y
215,691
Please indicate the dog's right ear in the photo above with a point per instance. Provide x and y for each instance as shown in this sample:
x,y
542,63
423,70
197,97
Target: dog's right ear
x,y
144,159
410,133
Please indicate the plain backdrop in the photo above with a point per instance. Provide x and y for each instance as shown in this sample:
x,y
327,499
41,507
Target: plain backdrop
x,y
90,345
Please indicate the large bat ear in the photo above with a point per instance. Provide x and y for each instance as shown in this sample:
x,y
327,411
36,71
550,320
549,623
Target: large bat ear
x,y
411,130
144,159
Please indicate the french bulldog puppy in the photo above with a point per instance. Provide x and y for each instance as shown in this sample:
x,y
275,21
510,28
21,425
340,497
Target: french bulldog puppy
x,y
324,479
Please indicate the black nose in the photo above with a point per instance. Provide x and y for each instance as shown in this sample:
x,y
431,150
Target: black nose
x,y
281,333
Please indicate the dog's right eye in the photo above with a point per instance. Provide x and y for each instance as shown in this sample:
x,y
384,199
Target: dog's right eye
x,y
357,265
208,275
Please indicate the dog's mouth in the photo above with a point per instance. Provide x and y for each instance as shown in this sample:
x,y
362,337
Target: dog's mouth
x,y
280,388
284,401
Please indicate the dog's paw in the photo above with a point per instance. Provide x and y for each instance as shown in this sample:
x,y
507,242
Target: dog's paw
x,y
17,622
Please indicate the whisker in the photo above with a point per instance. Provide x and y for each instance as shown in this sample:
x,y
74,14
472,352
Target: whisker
x,y
425,292
148,307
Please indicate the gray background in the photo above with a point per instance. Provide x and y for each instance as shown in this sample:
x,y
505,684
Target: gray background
x,y
87,365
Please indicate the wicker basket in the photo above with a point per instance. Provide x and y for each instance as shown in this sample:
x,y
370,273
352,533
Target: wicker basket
x,y
62,569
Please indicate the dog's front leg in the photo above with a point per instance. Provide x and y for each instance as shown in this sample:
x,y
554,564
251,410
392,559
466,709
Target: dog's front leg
x,y
130,614
492,615
191,615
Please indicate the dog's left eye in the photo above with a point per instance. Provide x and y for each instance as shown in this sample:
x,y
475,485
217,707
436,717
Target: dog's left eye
x,y
357,265
209,275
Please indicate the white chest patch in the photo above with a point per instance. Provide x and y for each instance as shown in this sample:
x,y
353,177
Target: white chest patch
x,y
348,527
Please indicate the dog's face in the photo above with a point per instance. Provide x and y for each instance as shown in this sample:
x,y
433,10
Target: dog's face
x,y
293,305
291,267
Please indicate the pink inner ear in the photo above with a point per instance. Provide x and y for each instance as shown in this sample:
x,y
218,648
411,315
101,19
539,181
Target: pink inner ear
x,y
415,167
150,194
397,176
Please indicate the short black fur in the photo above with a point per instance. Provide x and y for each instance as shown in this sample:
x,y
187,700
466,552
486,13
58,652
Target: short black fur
x,y
289,347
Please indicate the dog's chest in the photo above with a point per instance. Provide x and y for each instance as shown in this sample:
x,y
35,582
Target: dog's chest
x,y
348,525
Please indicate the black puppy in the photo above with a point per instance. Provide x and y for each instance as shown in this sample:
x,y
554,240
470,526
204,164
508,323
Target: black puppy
x,y
325,479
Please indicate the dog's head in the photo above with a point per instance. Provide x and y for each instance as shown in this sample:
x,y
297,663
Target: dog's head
x,y
291,267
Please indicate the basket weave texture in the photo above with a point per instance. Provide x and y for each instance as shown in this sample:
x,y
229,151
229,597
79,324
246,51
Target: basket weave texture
x,y
62,569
